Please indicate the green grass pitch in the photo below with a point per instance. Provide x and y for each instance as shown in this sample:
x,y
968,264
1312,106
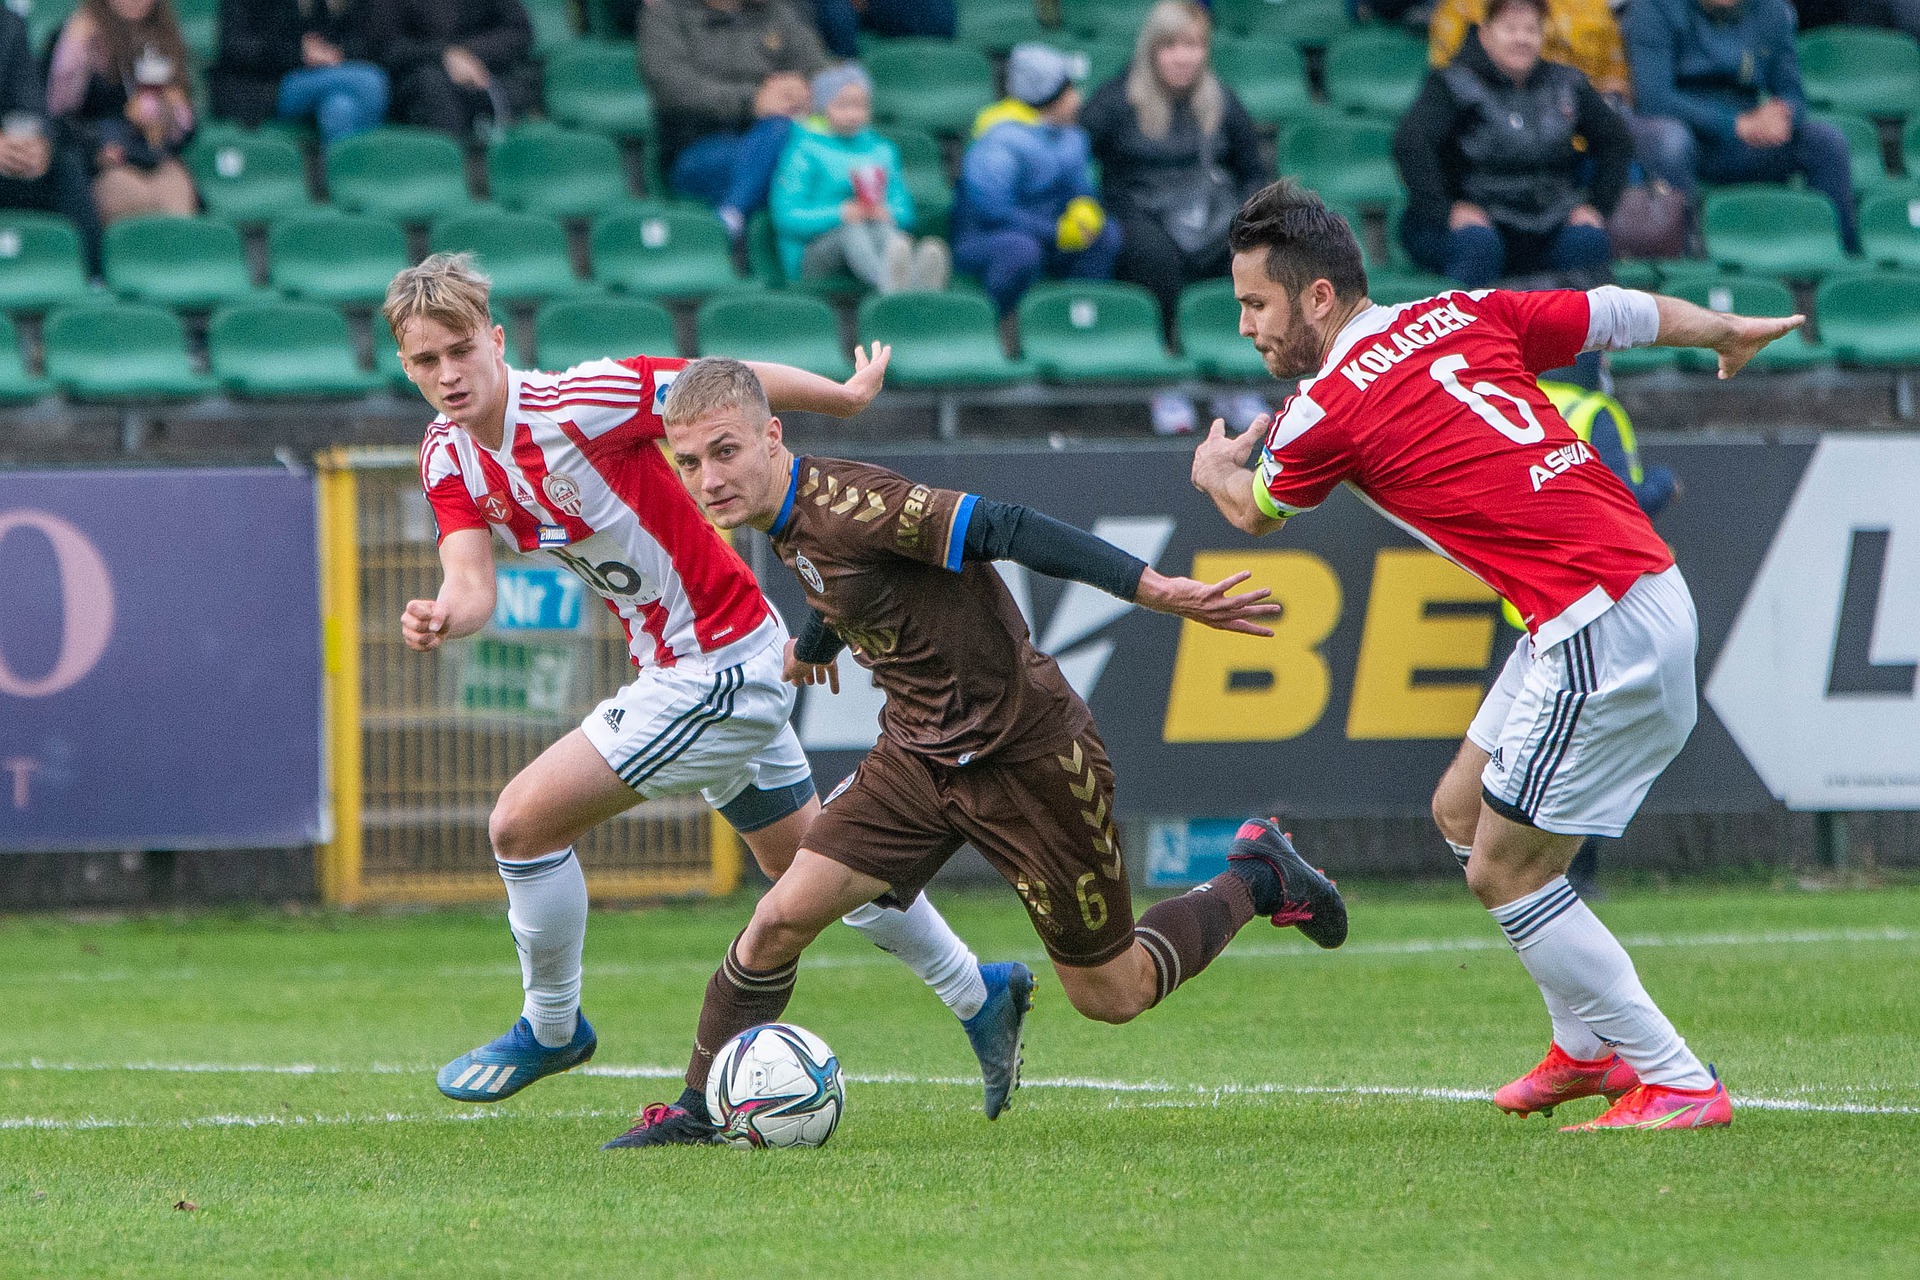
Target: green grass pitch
x,y
1289,1113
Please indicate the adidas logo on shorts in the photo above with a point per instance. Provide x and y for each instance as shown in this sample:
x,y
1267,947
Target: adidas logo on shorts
x,y
613,717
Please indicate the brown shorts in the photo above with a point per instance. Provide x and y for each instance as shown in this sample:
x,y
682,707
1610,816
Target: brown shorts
x,y
1046,825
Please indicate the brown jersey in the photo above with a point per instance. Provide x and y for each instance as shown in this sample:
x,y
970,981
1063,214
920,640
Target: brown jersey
x,y
882,560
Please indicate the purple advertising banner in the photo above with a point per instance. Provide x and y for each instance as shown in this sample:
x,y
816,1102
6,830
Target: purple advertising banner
x,y
159,660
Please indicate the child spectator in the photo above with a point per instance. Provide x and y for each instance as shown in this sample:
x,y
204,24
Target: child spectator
x,y
119,83
839,201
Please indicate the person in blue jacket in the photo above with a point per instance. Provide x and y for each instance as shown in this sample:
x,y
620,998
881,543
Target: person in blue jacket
x,y
839,201
1720,80
1026,205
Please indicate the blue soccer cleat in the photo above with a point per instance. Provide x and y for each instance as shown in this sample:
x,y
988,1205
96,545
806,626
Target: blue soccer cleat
x,y
994,1032
505,1066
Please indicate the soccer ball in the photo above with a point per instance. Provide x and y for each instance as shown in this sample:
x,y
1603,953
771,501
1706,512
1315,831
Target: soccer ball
x,y
775,1085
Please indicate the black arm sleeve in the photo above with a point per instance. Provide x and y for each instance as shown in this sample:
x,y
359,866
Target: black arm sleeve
x,y
818,642
1003,531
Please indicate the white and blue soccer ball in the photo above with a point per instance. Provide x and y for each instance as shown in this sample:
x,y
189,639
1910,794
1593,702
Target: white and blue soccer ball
x,y
775,1085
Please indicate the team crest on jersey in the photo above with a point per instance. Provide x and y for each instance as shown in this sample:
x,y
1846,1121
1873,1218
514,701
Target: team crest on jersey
x,y
808,572
563,493
496,509
836,792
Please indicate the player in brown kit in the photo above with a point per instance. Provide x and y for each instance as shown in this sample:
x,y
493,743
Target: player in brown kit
x,y
982,739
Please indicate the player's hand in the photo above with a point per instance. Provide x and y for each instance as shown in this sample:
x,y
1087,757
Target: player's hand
x,y
869,372
796,672
1211,604
423,624
1219,455
1747,334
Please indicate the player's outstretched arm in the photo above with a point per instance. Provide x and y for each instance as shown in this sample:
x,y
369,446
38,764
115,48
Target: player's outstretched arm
x,y
1220,472
1213,604
789,388
1736,338
465,601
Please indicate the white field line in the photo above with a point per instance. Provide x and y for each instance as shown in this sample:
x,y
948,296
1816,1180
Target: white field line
x,y
1178,1094
1244,950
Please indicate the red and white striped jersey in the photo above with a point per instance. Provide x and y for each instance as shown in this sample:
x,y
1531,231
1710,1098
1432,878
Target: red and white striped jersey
x,y
580,478
1432,412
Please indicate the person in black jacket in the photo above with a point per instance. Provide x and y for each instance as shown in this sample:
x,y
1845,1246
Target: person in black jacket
x,y
1511,163
294,59
455,63
1178,154
38,170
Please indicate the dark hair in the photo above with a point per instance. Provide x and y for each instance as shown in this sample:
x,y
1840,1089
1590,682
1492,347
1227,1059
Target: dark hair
x,y
1305,241
1496,7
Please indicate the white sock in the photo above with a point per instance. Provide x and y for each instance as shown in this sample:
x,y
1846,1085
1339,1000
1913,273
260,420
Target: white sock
x,y
926,944
1574,956
547,911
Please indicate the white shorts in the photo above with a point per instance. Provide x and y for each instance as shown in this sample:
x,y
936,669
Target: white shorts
x,y
696,727
1578,733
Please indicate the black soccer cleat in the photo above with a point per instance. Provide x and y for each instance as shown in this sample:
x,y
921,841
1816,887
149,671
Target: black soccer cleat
x,y
666,1124
1303,896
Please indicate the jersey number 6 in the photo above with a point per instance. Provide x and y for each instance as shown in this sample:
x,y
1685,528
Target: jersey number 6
x,y
1446,372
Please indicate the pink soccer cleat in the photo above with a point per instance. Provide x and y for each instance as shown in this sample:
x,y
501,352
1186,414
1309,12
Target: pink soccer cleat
x,y
1560,1078
1658,1106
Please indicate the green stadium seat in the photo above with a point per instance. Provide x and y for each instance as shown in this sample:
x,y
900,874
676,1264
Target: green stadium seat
x,y
664,251
1096,331
934,85
574,330
1103,18
923,167
199,27
526,255
1268,77
192,263
1348,161
1310,24
120,352
781,328
1376,73
1208,321
285,350
1861,69
1872,319
1676,273
17,386
1773,231
939,340
408,175
248,177
995,26
1636,273
559,173
552,24
1638,360
340,259
765,266
1749,296
386,360
44,18
1890,228
1391,288
1864,158
40,265
595,85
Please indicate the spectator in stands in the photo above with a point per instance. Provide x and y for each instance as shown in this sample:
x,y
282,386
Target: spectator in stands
x,y
839,200
118,83
456,65
841,21
1494,153
1582,34
1178,155
729,78
1026,206
37,170
297,60
1721,80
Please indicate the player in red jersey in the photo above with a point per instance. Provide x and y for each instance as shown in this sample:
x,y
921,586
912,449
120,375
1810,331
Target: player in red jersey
x,y
1431,412
568,465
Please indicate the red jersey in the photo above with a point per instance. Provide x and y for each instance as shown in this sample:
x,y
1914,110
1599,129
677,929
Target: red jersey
x,y
580,478
1432,412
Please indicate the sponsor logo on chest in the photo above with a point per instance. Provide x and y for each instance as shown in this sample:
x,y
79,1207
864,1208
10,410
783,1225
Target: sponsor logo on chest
x,y
1423,331
1565,458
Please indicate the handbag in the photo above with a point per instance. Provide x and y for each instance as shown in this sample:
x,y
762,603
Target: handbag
x,y
1649,222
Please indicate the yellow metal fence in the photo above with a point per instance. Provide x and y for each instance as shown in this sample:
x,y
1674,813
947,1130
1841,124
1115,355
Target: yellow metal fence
x,y
421,743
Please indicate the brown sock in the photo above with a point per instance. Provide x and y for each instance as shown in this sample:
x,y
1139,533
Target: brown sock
x,y
1184,934
737,998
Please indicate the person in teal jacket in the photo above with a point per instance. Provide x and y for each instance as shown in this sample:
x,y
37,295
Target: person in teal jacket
x,y
839,201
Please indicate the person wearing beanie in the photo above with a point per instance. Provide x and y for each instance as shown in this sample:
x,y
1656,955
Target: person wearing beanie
x,y
1026,206
839,200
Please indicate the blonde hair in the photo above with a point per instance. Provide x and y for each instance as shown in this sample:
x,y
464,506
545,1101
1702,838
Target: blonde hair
x,y
1152,105
445,288
709,385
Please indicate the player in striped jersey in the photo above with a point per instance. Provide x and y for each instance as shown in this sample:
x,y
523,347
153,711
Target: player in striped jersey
x,y
568,465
